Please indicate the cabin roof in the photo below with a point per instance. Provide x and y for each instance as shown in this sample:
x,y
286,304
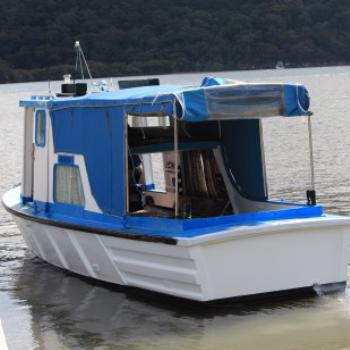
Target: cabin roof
x,y
214,99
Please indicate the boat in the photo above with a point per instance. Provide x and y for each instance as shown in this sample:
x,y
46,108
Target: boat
x,y
163,188
280,65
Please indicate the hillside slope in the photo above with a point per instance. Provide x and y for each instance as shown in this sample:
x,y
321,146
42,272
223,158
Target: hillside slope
x,y
163,36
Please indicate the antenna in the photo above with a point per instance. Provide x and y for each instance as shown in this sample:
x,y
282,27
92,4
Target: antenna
x,y
80,61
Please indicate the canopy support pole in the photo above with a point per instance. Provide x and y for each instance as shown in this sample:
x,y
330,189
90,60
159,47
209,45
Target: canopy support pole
x,y
176,161
311,193
126,163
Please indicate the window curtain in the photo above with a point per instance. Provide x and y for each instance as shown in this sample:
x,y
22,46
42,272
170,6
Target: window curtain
x,y
68,186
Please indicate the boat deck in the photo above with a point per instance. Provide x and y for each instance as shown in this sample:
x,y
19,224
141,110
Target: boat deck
x,y
199,208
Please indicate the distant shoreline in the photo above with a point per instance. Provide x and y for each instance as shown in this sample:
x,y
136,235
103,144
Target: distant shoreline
x,y
55,73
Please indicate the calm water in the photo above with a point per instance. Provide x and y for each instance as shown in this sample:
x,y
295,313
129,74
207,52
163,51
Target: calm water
x,y
44,308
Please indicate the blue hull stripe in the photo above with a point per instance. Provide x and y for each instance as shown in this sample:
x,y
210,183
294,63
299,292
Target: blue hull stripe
x,y
160,227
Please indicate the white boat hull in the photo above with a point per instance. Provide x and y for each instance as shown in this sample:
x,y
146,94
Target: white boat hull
x,y
239,262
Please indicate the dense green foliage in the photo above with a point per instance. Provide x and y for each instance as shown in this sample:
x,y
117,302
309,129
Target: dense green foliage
x,y
131,37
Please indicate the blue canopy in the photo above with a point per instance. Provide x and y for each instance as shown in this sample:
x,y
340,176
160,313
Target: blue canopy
x,y
215,99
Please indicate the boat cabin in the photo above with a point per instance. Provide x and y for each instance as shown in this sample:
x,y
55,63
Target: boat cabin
x,y
167,152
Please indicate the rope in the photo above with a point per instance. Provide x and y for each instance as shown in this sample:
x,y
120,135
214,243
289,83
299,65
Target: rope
x,y
80,61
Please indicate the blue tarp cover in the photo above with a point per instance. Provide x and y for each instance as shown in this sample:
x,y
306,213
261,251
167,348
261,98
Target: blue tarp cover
x,y
215,99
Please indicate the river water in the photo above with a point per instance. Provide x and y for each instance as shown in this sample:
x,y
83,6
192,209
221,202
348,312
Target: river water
x,y
42,307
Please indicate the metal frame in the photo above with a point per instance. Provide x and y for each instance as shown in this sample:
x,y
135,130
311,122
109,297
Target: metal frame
x,y
263,159
311,193
176,162
311,152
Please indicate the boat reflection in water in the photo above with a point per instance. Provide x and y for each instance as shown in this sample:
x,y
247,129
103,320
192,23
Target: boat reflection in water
x,y
68,312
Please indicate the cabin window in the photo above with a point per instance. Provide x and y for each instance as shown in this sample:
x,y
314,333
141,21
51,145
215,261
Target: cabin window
x,y
68,187
40,128
148,122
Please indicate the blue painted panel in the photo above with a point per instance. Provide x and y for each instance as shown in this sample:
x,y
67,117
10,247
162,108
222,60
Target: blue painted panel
x,y
149,187
115,124
242,151
64,159
195,106
296,100
25,200
163,227
67,213
97,134
213,81
253,219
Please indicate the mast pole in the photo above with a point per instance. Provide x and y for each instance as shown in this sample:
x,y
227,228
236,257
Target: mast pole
x,y
81,60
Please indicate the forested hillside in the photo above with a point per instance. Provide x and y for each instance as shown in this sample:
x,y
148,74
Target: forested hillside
x,y
131,37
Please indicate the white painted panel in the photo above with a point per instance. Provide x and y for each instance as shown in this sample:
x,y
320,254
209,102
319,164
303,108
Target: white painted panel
x,y
41,165
28,160
283,261
239,203
90,202
98,258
